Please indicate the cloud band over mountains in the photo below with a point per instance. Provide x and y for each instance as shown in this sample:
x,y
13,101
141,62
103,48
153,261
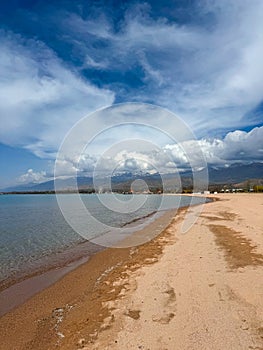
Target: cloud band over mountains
x,y
236,147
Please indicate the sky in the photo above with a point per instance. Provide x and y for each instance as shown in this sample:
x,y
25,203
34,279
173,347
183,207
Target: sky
x,y
62,60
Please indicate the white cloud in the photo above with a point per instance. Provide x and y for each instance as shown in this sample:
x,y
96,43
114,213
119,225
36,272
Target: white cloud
x,y
40,98
210,75
243,146
90,62
237,146
32,176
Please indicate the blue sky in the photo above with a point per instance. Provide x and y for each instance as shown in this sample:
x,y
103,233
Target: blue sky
x,y
61,60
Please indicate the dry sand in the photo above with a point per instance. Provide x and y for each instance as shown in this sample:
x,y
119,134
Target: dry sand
x,y
199,290
205,291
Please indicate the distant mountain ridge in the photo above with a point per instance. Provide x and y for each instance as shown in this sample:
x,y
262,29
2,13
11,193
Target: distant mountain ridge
x,y
235,173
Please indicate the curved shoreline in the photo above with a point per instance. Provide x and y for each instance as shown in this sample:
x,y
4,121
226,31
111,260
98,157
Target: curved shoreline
x,y
32,324
15,292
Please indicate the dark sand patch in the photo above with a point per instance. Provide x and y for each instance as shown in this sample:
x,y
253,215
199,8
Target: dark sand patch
x,y
222,215
165,319
238,250
171,295
135,314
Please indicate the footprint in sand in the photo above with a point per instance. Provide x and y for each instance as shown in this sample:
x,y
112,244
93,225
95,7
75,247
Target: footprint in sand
x,y
165,319
169,307
135,314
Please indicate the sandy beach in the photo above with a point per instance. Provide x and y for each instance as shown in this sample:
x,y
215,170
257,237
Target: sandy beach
x,y
198,290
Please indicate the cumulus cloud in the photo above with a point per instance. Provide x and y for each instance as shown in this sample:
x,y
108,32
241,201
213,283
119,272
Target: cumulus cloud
x,y
243,146
237,146
33,176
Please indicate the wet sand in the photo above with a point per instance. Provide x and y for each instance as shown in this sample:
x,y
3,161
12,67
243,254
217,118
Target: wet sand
x,y
198,290
17,289
76,299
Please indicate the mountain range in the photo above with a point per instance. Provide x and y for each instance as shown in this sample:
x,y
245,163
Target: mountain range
x,y
233,174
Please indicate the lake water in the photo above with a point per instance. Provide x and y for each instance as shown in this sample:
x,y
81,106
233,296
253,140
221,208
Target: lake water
x,y
34,234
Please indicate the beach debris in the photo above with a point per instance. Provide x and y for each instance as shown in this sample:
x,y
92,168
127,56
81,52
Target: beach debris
x,y
61,335
69,307
59,314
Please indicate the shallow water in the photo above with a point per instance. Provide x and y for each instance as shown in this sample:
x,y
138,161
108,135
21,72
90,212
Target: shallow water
x,y
34,234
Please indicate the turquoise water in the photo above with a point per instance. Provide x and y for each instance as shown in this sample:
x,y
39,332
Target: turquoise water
x,y
33,229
